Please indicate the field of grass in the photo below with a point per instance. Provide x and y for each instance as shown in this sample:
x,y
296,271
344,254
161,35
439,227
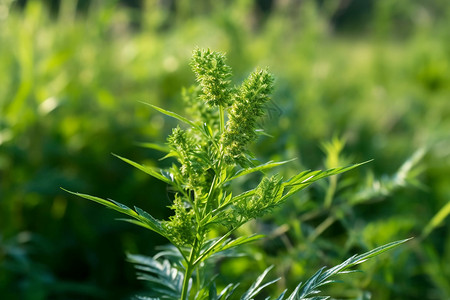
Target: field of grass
x,y
351,85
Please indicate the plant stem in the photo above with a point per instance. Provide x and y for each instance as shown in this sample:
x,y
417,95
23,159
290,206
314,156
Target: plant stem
x,y
188,273
222,119
190,266
187,276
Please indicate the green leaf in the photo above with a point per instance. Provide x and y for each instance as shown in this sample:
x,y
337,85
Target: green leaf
x,y
363,257
261,167
243,195
303,177
150,220
212,292
281,295
173,115
149,170
158,147
222,245
304,291
306,178
123,206
256,286
262,132
240,241
227,291
138,223
141,217
208,131
108,203
211,248
165,279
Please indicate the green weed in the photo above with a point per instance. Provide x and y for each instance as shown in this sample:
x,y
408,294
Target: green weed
x,y
212,152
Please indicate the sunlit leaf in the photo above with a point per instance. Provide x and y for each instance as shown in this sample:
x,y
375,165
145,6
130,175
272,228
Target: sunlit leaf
x,y
141,218
261,167
306,178
173,115
149,170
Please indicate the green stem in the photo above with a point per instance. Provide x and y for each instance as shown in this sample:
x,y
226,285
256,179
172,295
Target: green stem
x,y
188,273
193,259
187,276
222,119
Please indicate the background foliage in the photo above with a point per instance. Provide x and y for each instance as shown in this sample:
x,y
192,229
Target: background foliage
x,y
375,74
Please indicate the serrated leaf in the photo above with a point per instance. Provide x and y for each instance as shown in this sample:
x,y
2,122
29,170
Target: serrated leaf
x,y
306,178
149,219
262,167
322,277
316,175
255,288
302,177
123,206
377,251
165,280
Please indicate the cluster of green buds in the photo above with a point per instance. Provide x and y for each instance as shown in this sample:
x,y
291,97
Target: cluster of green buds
x,y
247,106
180,228
202,161
213,76
244,104
265,198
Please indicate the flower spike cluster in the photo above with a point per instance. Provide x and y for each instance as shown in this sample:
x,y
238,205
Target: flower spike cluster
x,y
266,197
242,116
213,75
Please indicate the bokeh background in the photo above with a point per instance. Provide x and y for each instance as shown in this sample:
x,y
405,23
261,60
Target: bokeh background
x,y
356,80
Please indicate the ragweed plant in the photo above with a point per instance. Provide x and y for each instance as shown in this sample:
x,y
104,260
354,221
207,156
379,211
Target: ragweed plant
x,y
211,150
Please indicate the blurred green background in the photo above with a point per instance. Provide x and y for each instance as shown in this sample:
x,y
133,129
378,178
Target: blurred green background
x,y
372,73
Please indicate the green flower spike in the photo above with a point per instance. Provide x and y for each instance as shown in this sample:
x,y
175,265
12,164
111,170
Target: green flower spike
x,y
213,75
247,107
